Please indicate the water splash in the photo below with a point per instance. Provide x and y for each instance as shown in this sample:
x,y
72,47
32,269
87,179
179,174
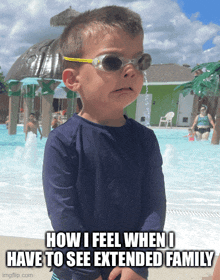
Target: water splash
x,y
30,150
170,157
147,102
27,155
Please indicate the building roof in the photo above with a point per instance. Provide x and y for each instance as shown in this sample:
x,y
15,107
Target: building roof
x,y
166,73
63,18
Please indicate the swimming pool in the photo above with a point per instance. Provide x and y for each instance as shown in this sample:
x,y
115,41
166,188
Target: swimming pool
x,y
192,179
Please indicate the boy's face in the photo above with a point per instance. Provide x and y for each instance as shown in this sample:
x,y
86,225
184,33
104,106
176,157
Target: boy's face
x,y
110,90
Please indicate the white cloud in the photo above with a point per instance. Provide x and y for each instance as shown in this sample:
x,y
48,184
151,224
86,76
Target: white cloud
x,y
158,44
195,16
169,35
180,20
18,28
3,27
35,7
216,40
205,33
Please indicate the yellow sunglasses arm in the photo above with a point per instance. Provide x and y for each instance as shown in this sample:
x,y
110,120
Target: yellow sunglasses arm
x,y
78,59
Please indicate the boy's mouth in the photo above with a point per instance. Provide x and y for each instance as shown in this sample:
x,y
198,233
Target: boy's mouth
x,y
120,89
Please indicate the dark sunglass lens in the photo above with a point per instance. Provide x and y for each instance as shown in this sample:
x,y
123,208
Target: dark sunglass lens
x,y
111,63
144,62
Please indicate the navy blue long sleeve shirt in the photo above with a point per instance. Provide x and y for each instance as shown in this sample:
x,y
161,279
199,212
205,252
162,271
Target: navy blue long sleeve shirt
x,y
102,178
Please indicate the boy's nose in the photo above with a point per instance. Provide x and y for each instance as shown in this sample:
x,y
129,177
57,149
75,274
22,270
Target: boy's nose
x,y
129,71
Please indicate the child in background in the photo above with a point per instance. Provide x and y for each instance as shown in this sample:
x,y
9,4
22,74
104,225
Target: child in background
x,y
7,122
191,135
60,121
102,171
54,123
32,126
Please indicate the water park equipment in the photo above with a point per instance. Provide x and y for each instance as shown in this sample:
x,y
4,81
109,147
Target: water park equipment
x,y
30,85
42,64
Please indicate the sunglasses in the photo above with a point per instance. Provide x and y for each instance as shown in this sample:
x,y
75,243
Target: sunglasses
x,y
110,62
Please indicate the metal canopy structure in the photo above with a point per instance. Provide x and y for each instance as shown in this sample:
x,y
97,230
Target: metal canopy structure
x,y
40,61
40,64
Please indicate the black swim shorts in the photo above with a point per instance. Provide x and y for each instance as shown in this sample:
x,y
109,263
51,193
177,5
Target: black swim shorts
x,y
203,130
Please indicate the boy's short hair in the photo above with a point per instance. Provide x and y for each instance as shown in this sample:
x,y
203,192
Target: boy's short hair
x,y
88,23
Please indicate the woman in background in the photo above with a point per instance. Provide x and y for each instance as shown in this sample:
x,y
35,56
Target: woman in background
x,y
203,123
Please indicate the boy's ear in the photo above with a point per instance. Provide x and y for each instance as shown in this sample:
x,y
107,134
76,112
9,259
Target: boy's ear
x,y
70,79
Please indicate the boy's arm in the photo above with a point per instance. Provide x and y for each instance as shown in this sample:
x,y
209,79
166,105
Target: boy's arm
x,y
59,179
154,197
154,203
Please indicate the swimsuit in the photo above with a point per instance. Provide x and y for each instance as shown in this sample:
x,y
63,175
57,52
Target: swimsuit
x,y
203,130
191,137
203,121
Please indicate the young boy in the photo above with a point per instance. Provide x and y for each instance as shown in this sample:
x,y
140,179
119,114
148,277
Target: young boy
x,y
33,126
102,171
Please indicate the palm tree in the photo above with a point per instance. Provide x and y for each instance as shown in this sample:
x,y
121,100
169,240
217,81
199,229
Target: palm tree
x,y
206,83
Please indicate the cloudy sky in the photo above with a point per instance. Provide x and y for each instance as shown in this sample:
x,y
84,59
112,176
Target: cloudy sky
x,y
176,31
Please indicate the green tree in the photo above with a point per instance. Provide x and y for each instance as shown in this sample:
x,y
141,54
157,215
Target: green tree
x,y
204,84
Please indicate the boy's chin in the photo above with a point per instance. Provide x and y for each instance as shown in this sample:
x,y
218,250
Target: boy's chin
x,y
127,101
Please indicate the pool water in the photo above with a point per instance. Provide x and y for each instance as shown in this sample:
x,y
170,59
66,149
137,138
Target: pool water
x,y
192,179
